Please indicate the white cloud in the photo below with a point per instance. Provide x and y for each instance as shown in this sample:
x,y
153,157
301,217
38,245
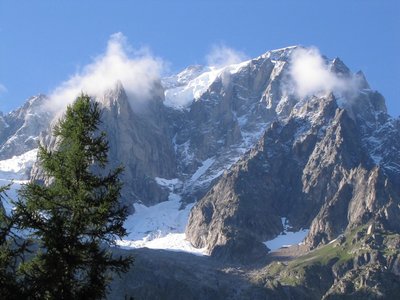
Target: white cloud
x,y
137,70
310,74
3,89
221,56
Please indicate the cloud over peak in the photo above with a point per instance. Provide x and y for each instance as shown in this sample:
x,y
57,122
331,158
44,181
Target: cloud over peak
x,y
310,74
222,55
137,70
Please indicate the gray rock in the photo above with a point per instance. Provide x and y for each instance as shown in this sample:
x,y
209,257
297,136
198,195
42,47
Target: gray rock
x,y
339,188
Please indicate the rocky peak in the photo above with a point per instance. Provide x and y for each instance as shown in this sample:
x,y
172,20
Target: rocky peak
x,y
282,54
362,81
338,67
114,96
138,142
141,144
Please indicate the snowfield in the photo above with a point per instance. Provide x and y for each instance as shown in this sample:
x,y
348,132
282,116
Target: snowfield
x,y
171,242
161,226
286,238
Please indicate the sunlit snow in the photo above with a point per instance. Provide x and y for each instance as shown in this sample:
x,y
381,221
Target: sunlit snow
x,y
15,170
171,242
16,167
180,96
161,226
286,238
169,183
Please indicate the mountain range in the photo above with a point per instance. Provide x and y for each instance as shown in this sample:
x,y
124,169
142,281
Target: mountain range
x,y
233,159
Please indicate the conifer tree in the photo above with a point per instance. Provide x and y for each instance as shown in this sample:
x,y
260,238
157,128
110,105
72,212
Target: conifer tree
x,y
76,216
13,249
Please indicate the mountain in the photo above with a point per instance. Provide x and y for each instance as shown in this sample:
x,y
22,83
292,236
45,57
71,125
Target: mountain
x,y
231,161
20,129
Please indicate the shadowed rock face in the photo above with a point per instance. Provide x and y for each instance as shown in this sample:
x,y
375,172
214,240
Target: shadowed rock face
x,y
141,142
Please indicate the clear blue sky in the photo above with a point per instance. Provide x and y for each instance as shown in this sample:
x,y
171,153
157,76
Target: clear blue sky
x,y
44,42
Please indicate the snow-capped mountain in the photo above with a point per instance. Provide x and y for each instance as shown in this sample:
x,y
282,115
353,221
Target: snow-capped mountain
x,y
220,156
20,129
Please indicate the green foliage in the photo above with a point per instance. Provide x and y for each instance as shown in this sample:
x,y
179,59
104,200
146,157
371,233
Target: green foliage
x,y
75,217
12,250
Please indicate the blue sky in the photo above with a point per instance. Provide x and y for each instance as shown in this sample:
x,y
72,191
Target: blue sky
x,y
45,42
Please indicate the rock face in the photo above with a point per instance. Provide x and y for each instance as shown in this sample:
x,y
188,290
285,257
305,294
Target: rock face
x,y
142,143
318,166
231,109
227,112
245,207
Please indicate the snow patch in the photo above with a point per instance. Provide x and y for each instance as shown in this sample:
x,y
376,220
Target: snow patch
x,y
191,84
168,183
201,170
286,238
182,96
16,167
171,242
161,226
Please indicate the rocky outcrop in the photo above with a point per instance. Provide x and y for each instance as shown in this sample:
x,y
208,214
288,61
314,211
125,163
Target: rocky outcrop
x,y
312,168
362,196
141,143
245,207
228,117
